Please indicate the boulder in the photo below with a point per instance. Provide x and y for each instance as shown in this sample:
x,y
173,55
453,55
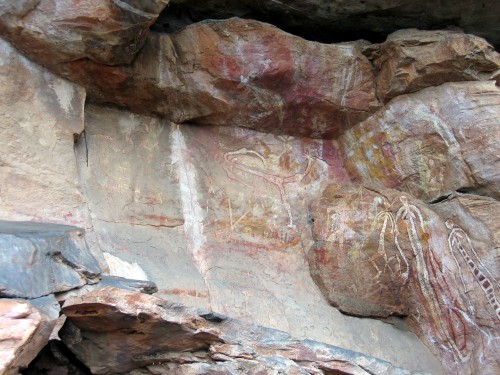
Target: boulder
x,y
55,31
384,253
430,143
233,72
24,331
39,259
239,73
411,60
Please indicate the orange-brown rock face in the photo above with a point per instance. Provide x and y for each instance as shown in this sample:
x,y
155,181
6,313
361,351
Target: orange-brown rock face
x,y
343,193
411,60
24,331
232,73
54,32
431,143
384,253
239,73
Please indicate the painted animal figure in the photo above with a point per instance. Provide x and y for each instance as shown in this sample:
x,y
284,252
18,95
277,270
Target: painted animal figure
x,y
459,240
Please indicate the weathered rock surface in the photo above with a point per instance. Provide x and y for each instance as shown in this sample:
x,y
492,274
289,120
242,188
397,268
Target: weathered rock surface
x,y
430,143
136,202
39,115
383,253
239,199
128,327
239,73
39,259
238,221
106,281
55,31
484,209
411,60
344,19
24,331
233,72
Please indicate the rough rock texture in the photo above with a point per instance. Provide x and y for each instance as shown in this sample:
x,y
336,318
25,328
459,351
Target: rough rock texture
x,y
39,259
265,227
234,72
411,60
431,143
24,331
39,115
345,19
139,286
484,209
239,73
402,258
108,32
238,200
128,327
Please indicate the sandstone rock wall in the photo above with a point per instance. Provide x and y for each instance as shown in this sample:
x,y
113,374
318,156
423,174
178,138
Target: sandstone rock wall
x,y
343,193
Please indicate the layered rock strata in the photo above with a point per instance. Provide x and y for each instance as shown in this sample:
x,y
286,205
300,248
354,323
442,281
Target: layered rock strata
x,y
137,330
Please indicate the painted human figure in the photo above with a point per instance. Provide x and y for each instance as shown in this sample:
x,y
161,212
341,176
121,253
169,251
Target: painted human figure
x,y
384,220
459,242
441,305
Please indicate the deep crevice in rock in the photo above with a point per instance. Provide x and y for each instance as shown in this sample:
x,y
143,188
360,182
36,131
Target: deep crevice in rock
x,y
322,23
176,17
56,358
440,199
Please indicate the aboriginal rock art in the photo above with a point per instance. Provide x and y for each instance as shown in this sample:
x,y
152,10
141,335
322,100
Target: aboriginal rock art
x,y
338,228
261,168
459,242
384,220
447,314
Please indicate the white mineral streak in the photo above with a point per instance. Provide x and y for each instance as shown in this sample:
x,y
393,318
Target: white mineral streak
x,y
191,208
65,92
121,268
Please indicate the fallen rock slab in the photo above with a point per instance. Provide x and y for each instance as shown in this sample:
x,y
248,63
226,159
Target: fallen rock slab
x,y
139,286
136,330
37,259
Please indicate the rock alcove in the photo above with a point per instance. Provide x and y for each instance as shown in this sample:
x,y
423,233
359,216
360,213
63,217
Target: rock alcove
x,y
223,195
